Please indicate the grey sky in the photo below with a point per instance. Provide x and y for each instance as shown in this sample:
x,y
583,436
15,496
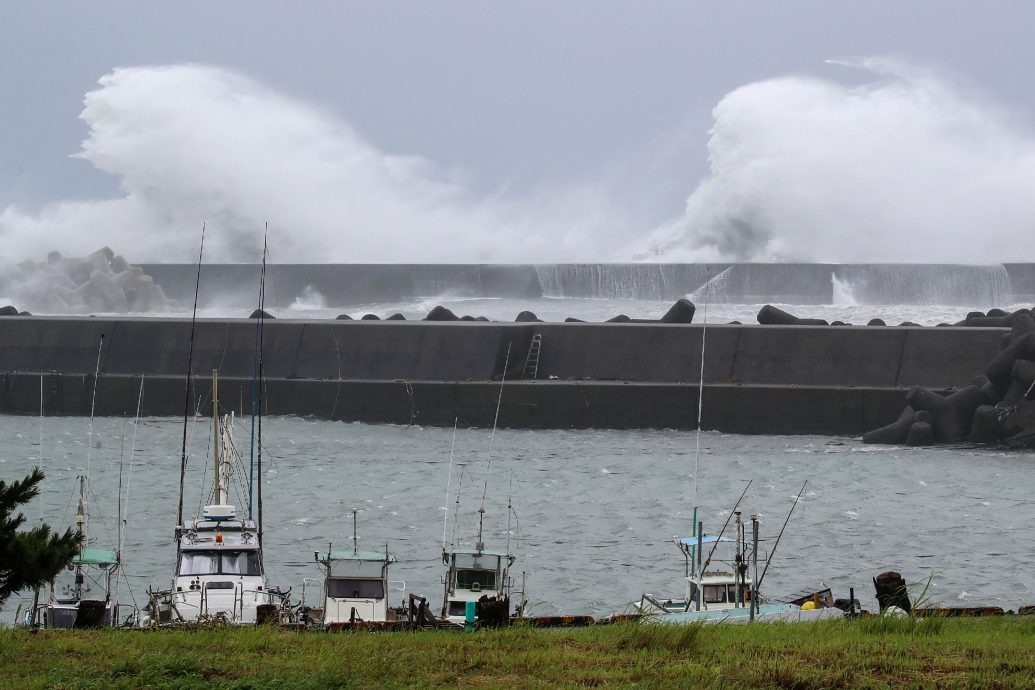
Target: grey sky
x,y
510,95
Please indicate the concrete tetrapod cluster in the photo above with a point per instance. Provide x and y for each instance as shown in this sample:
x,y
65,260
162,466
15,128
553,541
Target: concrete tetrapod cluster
x,y
101,282
998,406
682,311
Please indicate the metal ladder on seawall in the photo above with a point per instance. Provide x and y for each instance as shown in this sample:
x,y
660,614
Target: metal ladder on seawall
x,y
531,369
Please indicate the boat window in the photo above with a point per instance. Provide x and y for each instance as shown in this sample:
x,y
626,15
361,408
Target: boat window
x,y
485,579
199,563
477,561
458,608
715,594
240,563
355,588
731,593
220,562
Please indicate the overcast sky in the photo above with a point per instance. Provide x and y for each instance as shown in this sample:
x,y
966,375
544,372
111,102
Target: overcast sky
x,y
504,99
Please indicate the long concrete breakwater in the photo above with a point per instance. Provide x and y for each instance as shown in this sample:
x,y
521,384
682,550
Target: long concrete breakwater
x,y
757,379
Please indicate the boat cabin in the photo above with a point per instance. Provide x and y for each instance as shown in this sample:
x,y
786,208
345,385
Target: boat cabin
x,y
472,574
356,586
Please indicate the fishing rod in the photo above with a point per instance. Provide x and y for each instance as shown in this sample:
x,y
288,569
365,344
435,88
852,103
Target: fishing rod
x,y
729,517
186,393
777,542
700,405
449,479
495,423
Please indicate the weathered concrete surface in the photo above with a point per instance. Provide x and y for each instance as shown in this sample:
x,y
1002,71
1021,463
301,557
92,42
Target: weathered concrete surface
x,y
826,380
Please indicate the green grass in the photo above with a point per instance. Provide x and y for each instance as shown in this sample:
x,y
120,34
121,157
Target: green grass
x,y
867,653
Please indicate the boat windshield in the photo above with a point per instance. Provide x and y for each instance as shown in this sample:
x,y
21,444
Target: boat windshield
x,y
355,588
476,579
220,562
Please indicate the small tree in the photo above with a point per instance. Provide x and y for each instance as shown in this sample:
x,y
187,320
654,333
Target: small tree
x,y
32,558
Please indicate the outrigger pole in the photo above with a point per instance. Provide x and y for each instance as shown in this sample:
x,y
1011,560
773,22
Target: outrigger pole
x,y
186,394
777,542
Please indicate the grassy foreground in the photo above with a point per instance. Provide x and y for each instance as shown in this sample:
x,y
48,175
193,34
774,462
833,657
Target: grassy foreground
x,y
868,653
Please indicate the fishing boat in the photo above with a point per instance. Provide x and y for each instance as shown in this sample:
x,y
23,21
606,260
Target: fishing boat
x,y
355,585
478,577
82,595
85,594
219,573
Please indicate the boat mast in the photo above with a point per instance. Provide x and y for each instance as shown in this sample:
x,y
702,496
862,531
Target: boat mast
x,y
186,395
81,531
216,437
355,536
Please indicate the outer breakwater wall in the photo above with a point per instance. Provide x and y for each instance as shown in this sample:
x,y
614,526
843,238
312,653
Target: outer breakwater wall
x,y
758,379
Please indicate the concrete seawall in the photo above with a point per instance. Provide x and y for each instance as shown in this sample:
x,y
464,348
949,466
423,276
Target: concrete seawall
x,y
758,379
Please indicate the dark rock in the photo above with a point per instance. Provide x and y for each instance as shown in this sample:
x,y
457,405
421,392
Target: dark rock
x,y
481,318
1013,395
910,324
467,317
24,313
527,317
370,317
995,311
261,313
974,315
395,317
572,319
838,323
891,591
343,317
876,322
894,433
735,323
920,434
925,417
621,318
984,428
680,312
8,311
440,313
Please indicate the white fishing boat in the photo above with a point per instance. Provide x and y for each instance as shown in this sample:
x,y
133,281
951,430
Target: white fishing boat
x,y
219,572
355,585
477,575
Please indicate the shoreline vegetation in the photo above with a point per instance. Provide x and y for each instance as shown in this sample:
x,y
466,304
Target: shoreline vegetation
x,y
872,652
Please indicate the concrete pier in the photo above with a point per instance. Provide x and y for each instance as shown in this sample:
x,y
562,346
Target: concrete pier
x,y
758,379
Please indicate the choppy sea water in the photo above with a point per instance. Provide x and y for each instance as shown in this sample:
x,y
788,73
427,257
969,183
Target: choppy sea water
x,y
597,510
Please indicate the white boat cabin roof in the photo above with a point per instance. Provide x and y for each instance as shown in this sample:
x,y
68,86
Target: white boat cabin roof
x,y
378,556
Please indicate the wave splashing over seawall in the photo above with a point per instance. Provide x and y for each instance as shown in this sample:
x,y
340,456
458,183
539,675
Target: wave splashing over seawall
x,y
906,168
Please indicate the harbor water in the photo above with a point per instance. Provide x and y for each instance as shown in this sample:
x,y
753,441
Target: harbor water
x,y
595,512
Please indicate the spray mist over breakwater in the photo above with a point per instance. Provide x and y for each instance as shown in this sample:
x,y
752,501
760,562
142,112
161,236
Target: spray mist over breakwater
x,y
905,168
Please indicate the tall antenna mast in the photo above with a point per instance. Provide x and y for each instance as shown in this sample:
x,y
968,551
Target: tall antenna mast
x,y
216,439
186,393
